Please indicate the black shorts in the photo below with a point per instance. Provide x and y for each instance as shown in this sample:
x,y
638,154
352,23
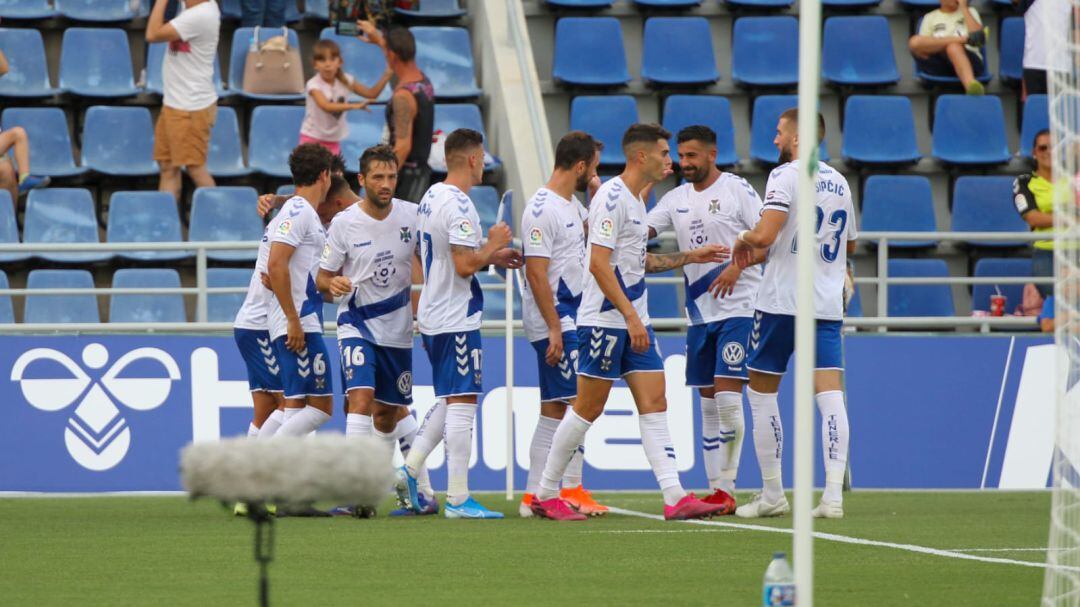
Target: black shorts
x,y
940,66
1034,82
413,182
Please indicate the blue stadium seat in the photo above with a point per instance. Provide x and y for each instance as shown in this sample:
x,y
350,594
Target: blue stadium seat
x,y
227,214
445,55
880,130
365,130
119,141
62,215
433,9
712,111
580,3
606,118
854,308
452,116
317,9
678,51
230,9
857,51
145,216
589,52
486,200
223,307
919,300
985,204
275,131
64,309
765,51
329,311
155,56
9,229
96,10
7,314
667,4
226,159
1011,69
495,299
155,308
850,5
26,9
238,54
766,113
899,203
758,5
50,142
996,267
287,189
969,130
920,5
1036,118
28,72
96,62
664,299
365,62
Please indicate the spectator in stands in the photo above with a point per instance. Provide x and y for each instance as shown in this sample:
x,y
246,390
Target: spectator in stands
x,y
1046,317
1043,20
189,107
948,44
410,115
23,181
1034,199
263,13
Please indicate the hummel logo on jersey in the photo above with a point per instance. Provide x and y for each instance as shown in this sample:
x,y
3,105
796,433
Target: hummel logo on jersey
x,y
682,210
296,211
538,211
755,332
97,436
461,350
302,363
362,244
268,355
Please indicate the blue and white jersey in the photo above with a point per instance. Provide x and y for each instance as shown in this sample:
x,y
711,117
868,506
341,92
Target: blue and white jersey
x,y
298,225
448,303
377,257
553,227
252,313
617,221
835,227
715,215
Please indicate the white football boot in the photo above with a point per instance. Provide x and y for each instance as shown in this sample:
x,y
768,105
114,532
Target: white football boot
x,y
759,508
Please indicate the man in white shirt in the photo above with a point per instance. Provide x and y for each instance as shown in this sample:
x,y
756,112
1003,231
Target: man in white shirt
x,y
1046,26
772,338
189,106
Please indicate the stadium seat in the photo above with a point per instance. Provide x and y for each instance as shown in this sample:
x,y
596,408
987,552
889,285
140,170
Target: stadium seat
x,y
96,62
62,215
7,314
1011,70
433,9
857,51
850,5
920,5
919,300
96,10
664,298
287,189
230,9
667,4
222,307
365,62
1036,118
495,299
445,56
985,204
579,3
238,54
119,141
765,51
486,200
879,130
678,51
995,267
854,307
50,142
712,111
145,216
899,203
589,52
329,311
9,229
317,9
766,113
155,56
53,309
275,131
931,79
365,130
26,9
452,116
969,130
758,5
156,308
606,118
226,159
226,214
28,72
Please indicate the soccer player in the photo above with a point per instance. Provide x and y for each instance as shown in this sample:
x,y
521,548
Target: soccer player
x,y
553,224
615,338
772,338
449,314
713,207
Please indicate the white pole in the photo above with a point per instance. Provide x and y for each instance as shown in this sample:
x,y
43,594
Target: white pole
x,y
809,61
509,291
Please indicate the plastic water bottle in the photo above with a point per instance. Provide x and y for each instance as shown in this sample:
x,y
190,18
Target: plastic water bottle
x,y
779,587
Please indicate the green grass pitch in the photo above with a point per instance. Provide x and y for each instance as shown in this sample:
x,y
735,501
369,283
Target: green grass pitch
x,y
170,551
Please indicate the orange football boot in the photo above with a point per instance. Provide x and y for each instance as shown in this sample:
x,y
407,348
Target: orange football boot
x,y
582,501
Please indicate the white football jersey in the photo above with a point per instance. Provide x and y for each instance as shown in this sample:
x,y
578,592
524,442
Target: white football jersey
x,y
252,313
715,215
448,303
377,257
617,221
835,227
298,225
553,227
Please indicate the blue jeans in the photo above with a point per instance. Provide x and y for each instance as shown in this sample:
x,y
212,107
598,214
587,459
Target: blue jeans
x,y
265,13
1042,264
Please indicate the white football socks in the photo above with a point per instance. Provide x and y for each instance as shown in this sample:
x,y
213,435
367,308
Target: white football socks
x,y
538,451
387,440
572,477
306,420
656,439
459,427
768,442
568,437
711,447
290,412
272,424
252,430
835,435
430,435
731,428
358,424
405,433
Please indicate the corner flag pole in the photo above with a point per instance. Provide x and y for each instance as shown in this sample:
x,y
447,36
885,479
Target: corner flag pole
x,y
809,72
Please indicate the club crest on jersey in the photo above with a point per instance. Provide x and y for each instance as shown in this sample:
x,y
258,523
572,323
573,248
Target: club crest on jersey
x,y
536,237
733,353
404,383
405,235
325,252
284,227
714,206
606,227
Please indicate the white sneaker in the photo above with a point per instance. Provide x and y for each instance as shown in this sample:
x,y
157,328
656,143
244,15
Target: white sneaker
x,y
759,508
829,510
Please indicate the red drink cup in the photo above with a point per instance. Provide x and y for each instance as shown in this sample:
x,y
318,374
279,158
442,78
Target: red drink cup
x,y
997,305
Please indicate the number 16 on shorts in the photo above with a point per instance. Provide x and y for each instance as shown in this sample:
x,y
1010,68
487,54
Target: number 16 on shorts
x,y
387,371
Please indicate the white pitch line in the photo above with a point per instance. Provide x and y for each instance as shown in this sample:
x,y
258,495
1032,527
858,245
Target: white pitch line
x,y
661,531
1003,549
845,539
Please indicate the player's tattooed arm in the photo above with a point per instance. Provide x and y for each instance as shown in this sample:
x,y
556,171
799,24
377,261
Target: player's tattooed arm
x,y
710,253
417,279
404,112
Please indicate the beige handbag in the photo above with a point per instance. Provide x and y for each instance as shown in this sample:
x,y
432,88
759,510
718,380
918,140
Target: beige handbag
x,y
273,67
